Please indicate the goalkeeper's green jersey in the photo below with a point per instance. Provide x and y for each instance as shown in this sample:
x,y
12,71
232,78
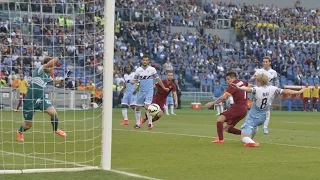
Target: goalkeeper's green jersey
x,y
38,83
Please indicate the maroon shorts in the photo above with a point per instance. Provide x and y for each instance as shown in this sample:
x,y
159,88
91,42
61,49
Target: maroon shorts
x,y
306,100
22,96
160,102
235,114
315,100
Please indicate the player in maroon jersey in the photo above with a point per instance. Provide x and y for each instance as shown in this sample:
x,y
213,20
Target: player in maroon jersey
x,y
160,96
236,112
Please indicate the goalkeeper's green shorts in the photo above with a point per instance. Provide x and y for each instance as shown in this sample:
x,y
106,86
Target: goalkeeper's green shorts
x,y
30,106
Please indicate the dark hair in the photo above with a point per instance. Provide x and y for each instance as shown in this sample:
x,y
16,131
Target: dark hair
x,y
231,74
169,71
267,57
145,56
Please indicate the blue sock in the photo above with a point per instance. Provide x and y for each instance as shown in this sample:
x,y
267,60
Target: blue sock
x,y
54,122
22,129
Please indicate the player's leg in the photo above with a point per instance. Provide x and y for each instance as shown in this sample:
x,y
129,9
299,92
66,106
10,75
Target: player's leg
x,y
125,104
171,105
21,98
28,116
158,116
266,123
246,136
51,111
147,102
315,104
304,104
166,109
139,103
233,119
309,104
221,119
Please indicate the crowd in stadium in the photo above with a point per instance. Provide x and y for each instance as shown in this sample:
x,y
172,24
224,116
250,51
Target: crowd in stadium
x,y
290,36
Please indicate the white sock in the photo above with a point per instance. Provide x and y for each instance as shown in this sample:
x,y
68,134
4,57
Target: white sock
x,y
218,109
247,140
171,108
124,113
166,109
149,118
221,110
266,123
138,115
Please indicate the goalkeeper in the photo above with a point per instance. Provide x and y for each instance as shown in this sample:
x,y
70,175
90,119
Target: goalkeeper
x,y
35,98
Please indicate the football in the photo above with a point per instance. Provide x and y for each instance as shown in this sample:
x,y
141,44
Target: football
x,y
154,109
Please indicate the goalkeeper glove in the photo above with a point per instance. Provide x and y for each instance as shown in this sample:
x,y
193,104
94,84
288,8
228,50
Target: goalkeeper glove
x,y
66,78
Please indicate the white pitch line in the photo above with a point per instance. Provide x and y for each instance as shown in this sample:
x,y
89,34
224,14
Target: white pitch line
x,y
191,135
288,122
134,175
77,164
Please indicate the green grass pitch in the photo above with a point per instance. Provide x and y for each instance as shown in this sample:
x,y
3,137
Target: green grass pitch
x,y
177,148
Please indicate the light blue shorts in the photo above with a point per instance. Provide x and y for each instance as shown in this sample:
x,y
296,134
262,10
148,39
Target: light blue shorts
x,y
129,99
144,98
169,101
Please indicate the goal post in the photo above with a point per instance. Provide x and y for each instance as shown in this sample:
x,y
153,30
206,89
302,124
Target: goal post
x,y
109,10
89,131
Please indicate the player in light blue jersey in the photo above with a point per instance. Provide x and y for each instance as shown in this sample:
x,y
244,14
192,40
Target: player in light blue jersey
x,y
145,75
129,93
262,95
169,104
272,77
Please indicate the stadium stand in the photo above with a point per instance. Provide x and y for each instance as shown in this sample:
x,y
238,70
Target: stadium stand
x,y
289,35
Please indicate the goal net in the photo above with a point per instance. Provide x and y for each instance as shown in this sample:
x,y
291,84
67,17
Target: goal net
x,y
30,32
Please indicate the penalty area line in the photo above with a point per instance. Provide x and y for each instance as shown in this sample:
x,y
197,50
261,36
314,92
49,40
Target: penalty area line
x,y
199,136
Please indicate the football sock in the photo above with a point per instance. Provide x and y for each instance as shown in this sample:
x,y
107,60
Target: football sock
x,y
266,123
54,122
124,114
315,106
137,113
171,108
220,130
221,109
234,131
247,140
166,109
149,118
22,129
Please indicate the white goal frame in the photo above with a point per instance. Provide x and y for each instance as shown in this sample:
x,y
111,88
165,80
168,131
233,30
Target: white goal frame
x,y
109,10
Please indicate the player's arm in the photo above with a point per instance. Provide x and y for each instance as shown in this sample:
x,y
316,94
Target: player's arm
x,y
276,81
222,98
53,62
291,92
175,97
244,88
137,88
161,84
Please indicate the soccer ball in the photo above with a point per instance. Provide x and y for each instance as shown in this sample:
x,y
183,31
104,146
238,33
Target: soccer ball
x,y
154,109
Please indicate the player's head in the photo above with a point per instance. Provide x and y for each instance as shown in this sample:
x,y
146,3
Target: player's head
x,y
45,61
169,75
262,79
230,77
316,86
307,84
266,62
145,60
128,69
